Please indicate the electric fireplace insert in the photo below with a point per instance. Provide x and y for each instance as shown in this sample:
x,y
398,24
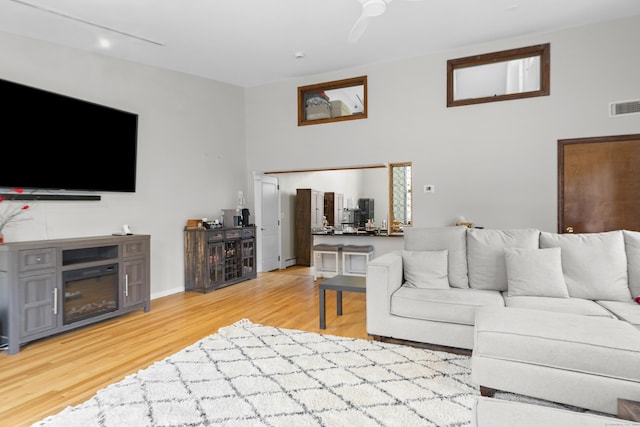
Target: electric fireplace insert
x,y
89,292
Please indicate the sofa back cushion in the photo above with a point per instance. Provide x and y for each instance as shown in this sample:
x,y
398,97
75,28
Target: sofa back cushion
x,y
594,264
485,254
632,245
453,239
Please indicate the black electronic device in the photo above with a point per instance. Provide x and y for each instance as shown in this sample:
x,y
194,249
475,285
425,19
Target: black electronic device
x,y
245,217
366,212
56,142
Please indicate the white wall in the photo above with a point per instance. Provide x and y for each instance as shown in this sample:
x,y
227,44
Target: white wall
x,y
495,163
191,152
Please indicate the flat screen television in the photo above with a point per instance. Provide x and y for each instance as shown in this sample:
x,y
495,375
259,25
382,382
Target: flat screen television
x,y
55,142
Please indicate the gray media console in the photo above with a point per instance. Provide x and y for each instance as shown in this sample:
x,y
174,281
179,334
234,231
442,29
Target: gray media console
x,y
53,286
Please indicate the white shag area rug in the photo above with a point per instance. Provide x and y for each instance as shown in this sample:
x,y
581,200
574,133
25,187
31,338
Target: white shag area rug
x,y
253,375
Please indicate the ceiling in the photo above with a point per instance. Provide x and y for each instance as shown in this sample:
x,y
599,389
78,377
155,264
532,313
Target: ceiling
x,y
254,42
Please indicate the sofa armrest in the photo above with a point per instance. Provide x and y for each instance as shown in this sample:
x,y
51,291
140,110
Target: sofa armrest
x,y
384,277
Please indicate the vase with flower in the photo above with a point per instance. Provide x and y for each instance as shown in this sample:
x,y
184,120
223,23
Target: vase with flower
x,y
12,211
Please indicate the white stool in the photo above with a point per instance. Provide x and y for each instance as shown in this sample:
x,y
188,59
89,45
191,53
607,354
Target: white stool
x,y
348,266
322,268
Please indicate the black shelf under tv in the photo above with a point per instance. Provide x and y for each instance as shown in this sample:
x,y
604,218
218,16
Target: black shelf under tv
x,y
77,197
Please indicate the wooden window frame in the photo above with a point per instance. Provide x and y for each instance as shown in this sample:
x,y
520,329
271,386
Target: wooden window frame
x,y
337,84
542,50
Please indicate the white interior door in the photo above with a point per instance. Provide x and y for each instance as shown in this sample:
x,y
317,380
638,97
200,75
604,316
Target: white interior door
x,y
267,203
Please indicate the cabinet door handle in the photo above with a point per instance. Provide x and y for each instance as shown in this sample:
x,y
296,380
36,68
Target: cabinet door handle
x,y
55,300
126,285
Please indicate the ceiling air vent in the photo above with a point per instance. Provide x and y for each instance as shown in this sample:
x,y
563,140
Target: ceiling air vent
x,y
623,108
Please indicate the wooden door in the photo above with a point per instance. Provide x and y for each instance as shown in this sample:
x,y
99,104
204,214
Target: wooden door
x,y
329,207
302,227
599,184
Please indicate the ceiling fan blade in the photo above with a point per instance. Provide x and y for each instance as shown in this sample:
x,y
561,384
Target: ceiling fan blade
x,y
359,28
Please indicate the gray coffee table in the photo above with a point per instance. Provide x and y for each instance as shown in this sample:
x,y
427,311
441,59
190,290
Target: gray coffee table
x,y
339,284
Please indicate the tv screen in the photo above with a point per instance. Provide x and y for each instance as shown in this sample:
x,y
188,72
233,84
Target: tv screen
x,y
56,142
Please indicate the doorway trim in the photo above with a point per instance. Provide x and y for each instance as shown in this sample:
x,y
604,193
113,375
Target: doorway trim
x,y
258,177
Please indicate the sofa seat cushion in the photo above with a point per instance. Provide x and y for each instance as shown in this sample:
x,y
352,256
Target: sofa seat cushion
x,y
561,305
628,311
586,344
442,305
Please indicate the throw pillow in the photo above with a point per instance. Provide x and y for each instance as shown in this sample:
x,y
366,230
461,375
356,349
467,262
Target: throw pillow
x,y
632,245
453,239
485,254
425,269
594,264
535,272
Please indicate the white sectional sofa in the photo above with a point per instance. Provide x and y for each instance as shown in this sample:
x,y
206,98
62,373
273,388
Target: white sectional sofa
x,y
502,413
552,316
430,291
582,361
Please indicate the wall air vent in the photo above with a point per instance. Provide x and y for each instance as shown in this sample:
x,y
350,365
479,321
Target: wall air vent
x,y
623,108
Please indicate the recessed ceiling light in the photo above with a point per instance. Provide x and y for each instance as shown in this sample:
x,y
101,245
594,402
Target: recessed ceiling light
x,y
299,55
104,43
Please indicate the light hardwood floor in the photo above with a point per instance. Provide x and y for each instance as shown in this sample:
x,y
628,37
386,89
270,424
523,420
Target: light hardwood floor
x,y
50,374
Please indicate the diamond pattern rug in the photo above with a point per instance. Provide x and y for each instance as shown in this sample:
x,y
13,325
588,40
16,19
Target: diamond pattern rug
x,y
253,375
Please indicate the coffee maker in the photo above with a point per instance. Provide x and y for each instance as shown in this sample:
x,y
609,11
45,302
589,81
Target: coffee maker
x,y
231,218
245,217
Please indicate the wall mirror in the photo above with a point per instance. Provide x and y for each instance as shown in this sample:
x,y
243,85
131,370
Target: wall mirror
x,y
499,76
332,101
400,197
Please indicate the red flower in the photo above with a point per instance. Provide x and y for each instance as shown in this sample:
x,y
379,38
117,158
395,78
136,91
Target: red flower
x,y
638,300
11,212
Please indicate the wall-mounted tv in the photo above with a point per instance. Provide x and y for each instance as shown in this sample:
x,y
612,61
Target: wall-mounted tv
x,y
55,142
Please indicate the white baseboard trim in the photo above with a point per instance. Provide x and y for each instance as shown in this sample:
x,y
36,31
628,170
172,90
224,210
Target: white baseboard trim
x,y
166,293
289,262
